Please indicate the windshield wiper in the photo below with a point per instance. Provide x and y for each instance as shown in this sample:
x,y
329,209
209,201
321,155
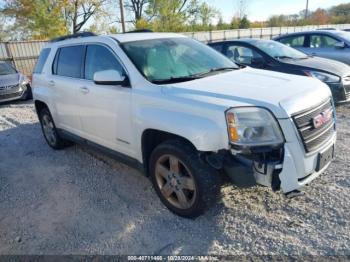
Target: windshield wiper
x,y
284,57
175,79
218,69
191,77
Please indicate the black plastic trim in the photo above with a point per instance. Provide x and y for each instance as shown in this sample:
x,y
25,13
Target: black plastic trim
x,y
107,151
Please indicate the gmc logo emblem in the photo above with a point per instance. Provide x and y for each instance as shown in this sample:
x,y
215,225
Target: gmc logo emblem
x,y
322,118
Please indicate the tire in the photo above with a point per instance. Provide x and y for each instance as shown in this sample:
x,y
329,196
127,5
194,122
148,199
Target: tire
x,y
49,130
169,179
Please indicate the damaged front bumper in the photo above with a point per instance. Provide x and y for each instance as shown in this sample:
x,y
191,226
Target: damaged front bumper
x,y
286,167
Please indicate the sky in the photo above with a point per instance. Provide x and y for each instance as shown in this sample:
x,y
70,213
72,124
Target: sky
x,y
259,10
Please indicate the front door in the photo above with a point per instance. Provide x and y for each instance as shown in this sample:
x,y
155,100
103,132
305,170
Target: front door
x,y
105,110
324,46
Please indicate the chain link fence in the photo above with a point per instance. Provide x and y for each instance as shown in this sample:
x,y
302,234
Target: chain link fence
x,y
23,55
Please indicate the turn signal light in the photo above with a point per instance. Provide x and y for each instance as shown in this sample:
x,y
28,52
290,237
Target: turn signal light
x,y
232,131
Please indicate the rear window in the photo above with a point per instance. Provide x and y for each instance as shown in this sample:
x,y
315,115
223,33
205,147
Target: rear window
x,y
68,61
41,60
293,41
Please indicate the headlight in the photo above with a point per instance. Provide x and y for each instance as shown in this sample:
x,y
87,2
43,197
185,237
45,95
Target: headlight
x,y
252,126
324,77
23,80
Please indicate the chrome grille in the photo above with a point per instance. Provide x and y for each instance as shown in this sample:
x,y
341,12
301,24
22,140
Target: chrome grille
x,y
313,137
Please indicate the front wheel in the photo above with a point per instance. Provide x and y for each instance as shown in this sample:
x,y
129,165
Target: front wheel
x,y
185,184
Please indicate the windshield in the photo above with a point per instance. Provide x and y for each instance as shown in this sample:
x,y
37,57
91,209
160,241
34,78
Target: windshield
x,y
6,69
343,34
278,50
175,59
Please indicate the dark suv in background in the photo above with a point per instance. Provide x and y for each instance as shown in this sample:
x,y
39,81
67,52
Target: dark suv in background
x,y
274,56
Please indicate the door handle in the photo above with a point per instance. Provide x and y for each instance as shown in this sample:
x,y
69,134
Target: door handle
x,y
84,90
51,83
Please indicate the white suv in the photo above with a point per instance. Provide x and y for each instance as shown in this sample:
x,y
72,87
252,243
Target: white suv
x,y
184,114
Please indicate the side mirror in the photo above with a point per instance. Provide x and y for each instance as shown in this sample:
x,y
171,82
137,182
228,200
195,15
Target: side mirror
x,y
340,45
110,77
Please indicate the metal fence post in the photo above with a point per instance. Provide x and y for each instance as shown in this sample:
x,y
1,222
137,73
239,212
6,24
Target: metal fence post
x,y
9,56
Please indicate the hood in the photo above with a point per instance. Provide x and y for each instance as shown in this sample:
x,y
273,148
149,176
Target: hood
x,y
282,94
328,65
9,80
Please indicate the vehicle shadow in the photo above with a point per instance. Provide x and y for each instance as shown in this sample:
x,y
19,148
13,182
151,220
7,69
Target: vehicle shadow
x,y
78,201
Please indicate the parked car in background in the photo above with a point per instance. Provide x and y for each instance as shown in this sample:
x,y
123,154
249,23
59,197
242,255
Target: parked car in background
x,y
13,85
333,44
184,114
274,56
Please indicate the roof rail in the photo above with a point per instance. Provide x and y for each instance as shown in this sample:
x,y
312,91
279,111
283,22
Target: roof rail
x,y
140,31
77,35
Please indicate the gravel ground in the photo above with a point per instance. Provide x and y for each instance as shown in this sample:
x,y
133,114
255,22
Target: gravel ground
x,y
77,201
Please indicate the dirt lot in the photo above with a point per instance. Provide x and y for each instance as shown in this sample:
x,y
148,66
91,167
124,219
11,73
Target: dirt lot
x,y
77,201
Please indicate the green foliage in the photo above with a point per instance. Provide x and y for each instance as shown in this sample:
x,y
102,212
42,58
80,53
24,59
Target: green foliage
x,y
244,23
36,19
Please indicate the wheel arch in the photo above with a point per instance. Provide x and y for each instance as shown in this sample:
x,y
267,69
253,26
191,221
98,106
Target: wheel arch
x,y
39,105
151,138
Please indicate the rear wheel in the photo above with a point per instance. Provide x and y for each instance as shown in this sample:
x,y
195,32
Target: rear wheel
x,y
49,130
186,185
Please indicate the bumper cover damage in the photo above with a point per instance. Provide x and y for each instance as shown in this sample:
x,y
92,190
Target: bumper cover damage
x,y
279,167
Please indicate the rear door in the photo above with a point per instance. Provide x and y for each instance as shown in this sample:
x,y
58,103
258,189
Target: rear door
x,y
323,45
105,110
64,82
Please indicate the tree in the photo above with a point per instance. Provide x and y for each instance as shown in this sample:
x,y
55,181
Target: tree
x,y
235,23
242,8
244,23
171,15
319,17
4,33
207,13
38,19
79,12
340,14
137,8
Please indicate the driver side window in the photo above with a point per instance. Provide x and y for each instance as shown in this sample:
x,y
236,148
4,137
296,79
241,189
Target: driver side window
x,y
243,55
99,58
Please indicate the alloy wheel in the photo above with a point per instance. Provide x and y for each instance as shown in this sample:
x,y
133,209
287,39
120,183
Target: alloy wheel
x,y
175,181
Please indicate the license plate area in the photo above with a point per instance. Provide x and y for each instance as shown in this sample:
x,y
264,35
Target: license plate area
x,y
324,158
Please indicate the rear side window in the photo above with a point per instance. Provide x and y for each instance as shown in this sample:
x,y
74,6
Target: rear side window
x,y
100,58
293,41
68,61
41,60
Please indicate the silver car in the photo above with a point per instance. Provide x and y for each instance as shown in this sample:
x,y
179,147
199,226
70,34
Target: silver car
x,y
332,44
13,85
